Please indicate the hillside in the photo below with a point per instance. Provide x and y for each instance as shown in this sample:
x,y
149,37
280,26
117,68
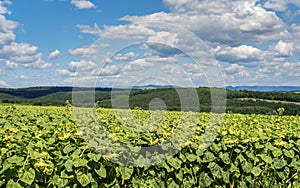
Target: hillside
x,y
238,101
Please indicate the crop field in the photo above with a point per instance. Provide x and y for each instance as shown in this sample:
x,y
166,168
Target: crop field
x,y
48,147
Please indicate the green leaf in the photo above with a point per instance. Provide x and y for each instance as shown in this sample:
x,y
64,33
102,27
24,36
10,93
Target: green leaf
x,y
84,179
69,165
248,179
276,152
60,182
259,146
247,166
175,162
226,177
252,156
77,162
208,157
191,157
188,182
5,167
224,157
179,175
284,174
295,164
15,159
94,157
12,184
215,169
289,153
64,175
167,167
279,163
266,158
126,172
172,184
241,158
27,176
233,168
101,171
256,171
205,180
216,148
68,149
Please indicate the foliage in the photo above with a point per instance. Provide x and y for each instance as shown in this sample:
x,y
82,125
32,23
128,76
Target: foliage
x,y
245,102
40,147
280,111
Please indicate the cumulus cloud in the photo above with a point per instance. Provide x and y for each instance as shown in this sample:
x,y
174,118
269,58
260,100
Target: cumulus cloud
x,y
247,37
283,49
83,4
126,57
3,83
7,28
22,55
139,64
295,39
234,68
241,53
280,5
82,66
95,30
54,54
65,72
229,22
109,70
87,50
13,54
120,31
3,9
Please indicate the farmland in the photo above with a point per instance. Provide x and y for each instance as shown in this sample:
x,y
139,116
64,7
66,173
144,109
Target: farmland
x,y
42,146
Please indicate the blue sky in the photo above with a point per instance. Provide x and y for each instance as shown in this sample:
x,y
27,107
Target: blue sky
x,y
133,42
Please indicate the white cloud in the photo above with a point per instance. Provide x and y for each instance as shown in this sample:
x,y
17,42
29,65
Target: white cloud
x,y
16,55
82,66
4,10
222,22
234,68
126,57
163,37
292,69
7,28
120,31
296,36
64,72
241,53
83,4
54,54
192,68
279,5
22,55
109,70
88,50
171,69
247,37
22,77
95,30
159,59
139,64
283,48
3,83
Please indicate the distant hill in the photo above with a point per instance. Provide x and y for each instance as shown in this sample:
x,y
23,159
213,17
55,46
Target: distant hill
x,y
244,99
152,86
265,88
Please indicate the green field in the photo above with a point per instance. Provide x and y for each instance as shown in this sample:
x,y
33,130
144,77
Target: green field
x,y
42,147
